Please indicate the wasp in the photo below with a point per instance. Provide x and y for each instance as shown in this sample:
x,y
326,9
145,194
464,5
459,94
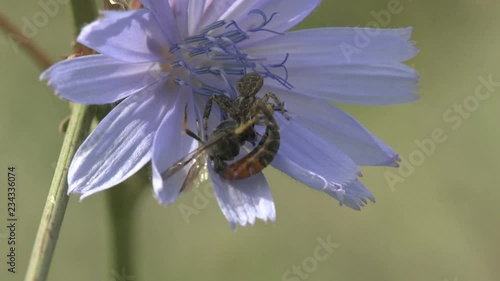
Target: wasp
x,y
226,140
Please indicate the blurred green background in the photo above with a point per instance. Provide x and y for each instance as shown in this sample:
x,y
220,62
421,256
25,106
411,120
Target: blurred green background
x,y
441,223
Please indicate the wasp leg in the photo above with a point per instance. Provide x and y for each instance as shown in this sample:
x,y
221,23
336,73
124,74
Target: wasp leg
x,y
186,127
280,105
219,165
222,101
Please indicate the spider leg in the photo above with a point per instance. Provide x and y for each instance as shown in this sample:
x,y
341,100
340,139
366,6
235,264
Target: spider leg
x,y
224,103
279,104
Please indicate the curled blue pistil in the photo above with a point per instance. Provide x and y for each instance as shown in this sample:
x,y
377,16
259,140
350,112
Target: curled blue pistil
x,y
264,22
224,47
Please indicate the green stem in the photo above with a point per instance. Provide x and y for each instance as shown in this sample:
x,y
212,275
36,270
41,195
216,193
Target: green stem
x,y
121,229
121,201
57,200
84,11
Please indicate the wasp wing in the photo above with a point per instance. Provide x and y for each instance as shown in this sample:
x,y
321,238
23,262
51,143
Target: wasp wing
x,y
197,174
195,155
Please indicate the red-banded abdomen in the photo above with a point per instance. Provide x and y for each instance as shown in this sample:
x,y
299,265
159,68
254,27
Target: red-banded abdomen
x,y
257,159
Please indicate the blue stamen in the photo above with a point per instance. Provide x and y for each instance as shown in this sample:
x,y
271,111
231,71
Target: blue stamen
x,y
282,65
199,51
234,35
195,38
175,64
181,82
214,70
211,39
174,48
265,22
233,23
213,26
202,70
235,71
222,46
273,76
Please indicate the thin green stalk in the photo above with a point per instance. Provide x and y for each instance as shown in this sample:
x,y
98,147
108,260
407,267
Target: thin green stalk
x,y
57,200
84,11
121,202
120,229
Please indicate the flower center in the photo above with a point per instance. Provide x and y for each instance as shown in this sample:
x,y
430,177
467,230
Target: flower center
x,y
216,50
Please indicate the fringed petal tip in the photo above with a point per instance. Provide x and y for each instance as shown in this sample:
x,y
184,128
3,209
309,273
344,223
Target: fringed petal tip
x,y
84,195
243,201
393,161
267,219
247,213
354,195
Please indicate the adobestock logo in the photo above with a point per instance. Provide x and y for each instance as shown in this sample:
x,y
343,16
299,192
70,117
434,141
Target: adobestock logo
x,y
364,36
454,117
310,264
200,201
32,24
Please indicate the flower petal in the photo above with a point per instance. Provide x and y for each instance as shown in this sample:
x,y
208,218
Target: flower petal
x,y
307,158
310,159
133,36
119,146
353,196
212,10
171,144
245,200
195,14
288,14
165,17
338,45
368,84
334,125
180,12
312,154
97,79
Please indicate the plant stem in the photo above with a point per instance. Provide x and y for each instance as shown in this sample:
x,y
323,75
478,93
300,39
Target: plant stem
x,y
17,38
84,11
121,201
57,199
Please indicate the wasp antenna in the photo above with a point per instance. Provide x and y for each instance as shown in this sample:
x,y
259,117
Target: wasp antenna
x,y
186,127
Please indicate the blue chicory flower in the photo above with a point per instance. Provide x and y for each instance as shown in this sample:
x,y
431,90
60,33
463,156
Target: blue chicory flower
x,y
177,52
